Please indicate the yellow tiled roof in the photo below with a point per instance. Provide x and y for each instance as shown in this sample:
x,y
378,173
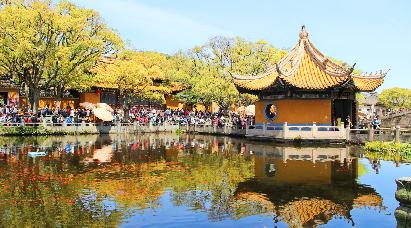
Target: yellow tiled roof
x,y
258,83
301,212
368,82
310,76
370,200
305,67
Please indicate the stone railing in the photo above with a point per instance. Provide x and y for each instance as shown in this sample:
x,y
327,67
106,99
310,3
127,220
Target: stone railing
x,y
361,136
285,131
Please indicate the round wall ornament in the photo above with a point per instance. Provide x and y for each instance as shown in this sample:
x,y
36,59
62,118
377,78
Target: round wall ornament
x,y
271,111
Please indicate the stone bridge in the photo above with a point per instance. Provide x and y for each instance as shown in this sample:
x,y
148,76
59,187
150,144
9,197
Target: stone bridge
x,y
402,119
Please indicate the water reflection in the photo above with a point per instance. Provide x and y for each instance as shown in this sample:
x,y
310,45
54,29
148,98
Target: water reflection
x,y
307,186
140,180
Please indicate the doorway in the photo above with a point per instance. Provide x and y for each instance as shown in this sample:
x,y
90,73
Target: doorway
x,y
343,109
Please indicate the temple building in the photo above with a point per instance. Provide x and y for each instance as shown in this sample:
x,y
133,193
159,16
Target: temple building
x,y
9,93
307,87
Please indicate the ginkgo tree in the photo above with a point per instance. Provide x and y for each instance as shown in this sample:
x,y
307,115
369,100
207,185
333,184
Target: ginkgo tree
x,y
136,75
50,47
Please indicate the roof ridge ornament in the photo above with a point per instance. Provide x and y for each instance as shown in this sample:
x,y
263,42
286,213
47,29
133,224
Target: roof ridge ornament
x,y
303,33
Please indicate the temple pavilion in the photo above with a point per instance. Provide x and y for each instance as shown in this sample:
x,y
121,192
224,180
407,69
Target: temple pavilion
x,y
307,87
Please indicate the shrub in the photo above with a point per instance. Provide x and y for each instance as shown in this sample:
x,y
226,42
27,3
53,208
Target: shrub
x,y
27,130
388,150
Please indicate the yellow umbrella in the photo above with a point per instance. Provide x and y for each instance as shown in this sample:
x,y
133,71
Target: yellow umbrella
x,y
103,114
105,106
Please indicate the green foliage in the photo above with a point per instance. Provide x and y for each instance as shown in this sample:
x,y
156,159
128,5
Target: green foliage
x,y
206,71
49,47
135,73
179,131
360,98
362,169
388,150
247,99
298,139
395,98
26,130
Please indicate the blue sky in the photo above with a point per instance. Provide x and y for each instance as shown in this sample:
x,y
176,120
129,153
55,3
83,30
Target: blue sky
x,y
375,34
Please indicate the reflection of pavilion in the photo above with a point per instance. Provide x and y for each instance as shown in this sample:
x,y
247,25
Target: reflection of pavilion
x,y
306,186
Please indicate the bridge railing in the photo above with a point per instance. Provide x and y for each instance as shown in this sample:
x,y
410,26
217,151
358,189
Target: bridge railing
x,y
397,134
287,131
212,129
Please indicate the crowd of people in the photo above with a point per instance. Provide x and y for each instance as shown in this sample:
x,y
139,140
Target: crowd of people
x,y
140,115
180,116
143,115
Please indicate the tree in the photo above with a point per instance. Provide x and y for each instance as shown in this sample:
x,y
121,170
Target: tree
x,y
134,75
360,98
207,70
247,99
49,47
395,98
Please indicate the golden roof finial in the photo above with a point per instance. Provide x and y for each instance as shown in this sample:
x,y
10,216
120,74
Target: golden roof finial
x,y
303,33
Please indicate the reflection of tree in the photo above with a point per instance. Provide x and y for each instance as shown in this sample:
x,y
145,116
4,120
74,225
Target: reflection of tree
x,y
38,195
136,186
210,182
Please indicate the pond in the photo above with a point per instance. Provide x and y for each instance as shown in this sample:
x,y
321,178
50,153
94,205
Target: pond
x,y
170,180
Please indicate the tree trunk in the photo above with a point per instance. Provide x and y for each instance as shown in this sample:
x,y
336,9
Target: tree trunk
x,y
59,98
125,108
35,100
58,103
28,96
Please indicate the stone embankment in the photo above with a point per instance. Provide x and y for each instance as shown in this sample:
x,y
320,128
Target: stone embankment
x,y
83,128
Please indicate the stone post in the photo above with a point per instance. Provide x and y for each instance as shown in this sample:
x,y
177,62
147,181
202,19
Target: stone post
x,y
397,133
347,134
264,128
118,126
370,134
342,128
285,130
314,130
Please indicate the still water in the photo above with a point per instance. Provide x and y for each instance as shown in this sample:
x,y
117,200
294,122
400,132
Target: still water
x,y
168,180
